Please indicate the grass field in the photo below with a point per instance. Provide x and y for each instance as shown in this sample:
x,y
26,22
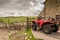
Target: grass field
x,y
15,19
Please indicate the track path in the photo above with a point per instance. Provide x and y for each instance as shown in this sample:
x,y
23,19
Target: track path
x,y
40,34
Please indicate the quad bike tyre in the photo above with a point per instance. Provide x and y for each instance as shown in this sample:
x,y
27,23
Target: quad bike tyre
x,y
34,26
55,28
47,29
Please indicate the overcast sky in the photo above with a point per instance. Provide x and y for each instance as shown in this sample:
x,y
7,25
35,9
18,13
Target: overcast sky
x,y
20,7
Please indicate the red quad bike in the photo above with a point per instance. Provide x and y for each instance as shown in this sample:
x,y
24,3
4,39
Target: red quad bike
x,y
47,25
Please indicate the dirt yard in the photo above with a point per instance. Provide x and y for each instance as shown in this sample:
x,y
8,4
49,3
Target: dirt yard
x,y
4,34
8,29
40,34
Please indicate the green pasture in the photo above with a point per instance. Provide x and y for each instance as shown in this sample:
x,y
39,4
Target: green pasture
x,y
15,19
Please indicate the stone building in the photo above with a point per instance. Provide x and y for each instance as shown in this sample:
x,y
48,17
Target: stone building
x,y
52,9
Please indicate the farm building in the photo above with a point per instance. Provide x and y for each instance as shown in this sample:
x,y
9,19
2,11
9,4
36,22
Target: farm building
x,y
51,9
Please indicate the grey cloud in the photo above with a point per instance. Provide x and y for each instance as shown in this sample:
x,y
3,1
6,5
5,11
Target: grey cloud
x,y
19,7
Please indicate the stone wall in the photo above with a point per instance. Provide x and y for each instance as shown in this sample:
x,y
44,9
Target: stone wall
x,y
52,8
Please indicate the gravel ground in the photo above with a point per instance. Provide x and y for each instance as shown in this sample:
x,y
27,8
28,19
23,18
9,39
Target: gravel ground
x,y
53,36
4,34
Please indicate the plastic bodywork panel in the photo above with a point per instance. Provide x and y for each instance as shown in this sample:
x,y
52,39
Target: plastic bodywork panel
x,y
42,22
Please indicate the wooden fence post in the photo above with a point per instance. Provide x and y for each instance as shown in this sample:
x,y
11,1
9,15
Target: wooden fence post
x,y
27,23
